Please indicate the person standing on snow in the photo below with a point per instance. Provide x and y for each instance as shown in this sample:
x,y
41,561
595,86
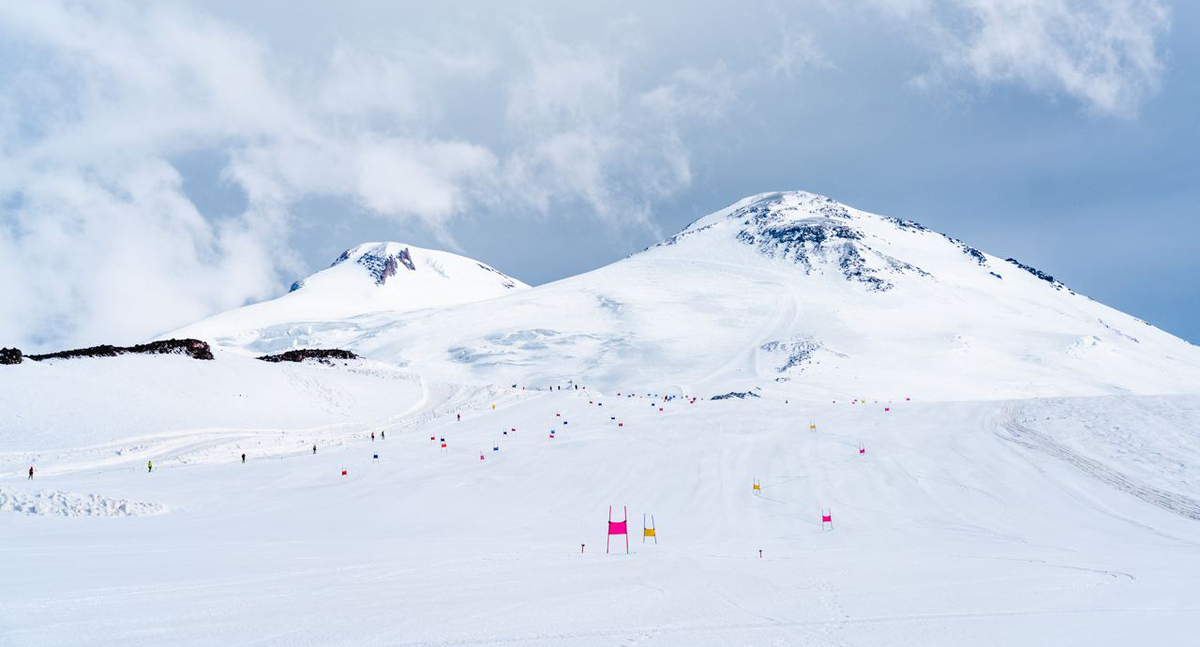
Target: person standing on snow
x,y
314,449
243,457
149,466
382,435
372,436
30,472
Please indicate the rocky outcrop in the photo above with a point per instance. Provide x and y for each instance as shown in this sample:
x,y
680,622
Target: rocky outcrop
x,y
741,395
10,356
322,355
193,348
381,264
1058,285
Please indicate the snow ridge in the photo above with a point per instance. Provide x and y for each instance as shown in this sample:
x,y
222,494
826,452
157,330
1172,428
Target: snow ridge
x,y
67,504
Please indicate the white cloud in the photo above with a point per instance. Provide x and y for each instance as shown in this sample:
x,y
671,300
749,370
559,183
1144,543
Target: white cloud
x,y
100,243
98,239
798,50
1105,53
590,132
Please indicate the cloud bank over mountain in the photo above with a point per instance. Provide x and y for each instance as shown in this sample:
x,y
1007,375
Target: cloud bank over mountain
x,y
429,120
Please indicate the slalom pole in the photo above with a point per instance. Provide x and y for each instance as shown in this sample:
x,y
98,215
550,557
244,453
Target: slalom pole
x,y
608,540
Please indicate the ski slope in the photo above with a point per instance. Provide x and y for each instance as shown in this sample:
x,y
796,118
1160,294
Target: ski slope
x,y
63,405
950,529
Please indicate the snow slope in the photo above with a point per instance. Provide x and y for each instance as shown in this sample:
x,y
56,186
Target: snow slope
x,y
971,514
790,292
949,530
59,413
371,277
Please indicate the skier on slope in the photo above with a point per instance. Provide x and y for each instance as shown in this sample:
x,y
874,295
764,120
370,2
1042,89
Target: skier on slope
x,y
149,466
382,435
31,472
458,416
243,457
372,436
314,449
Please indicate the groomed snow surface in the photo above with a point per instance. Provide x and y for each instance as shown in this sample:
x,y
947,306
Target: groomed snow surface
x,y
1033,522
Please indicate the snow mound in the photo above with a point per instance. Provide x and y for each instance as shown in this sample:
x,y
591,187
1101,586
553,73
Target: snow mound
x,y
68,504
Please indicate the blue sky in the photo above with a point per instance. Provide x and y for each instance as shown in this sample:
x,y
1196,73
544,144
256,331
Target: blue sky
x,y
161,162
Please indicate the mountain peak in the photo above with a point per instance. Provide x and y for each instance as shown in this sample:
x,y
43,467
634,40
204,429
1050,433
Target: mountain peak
x,y
784,290
383,260
367,278
781,204
380,259
815,232
821,235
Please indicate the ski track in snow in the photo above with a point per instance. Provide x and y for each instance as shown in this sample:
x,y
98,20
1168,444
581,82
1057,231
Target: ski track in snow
x,y
1011,429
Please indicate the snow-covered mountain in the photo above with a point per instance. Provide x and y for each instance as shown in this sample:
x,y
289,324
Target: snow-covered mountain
x,y
427,495
787,291
371,277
